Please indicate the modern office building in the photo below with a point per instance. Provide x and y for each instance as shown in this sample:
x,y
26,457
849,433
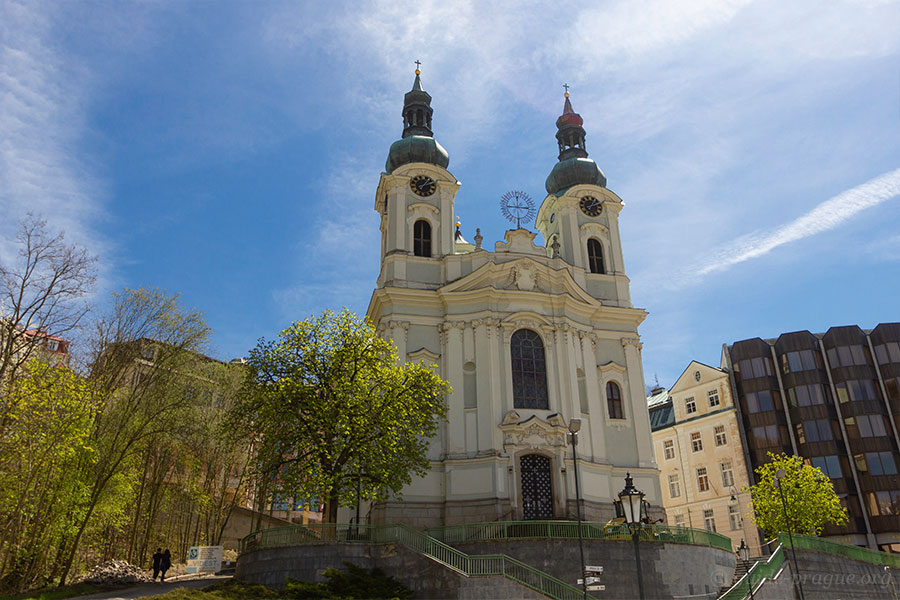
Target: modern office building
x,y
834,399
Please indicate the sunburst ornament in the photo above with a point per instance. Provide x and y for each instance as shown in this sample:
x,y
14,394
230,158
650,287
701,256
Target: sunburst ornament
x,y
517,207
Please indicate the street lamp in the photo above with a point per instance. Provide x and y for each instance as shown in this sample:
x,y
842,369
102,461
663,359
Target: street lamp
x,y
632,500
779,476
574,428
743,552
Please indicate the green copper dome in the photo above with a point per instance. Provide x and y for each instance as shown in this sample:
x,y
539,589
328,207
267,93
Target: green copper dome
x,y
416,148
417,143
574,171
574,166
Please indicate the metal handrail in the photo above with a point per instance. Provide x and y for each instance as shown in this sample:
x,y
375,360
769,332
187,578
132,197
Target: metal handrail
x,y
468,565
503,530
759,571
817,544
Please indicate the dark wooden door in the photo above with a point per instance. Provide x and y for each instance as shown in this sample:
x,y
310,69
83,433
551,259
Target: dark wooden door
x,y
537,493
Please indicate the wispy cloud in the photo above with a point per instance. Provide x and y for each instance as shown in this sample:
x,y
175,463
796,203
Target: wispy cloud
x,y
824,217
42,119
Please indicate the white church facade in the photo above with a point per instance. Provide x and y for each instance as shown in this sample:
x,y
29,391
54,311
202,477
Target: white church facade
x,y
528,336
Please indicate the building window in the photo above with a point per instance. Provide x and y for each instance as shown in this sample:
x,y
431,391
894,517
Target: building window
x,y
529,372
721,440
713,396
829,465
690,406
814,431
614,401
767,435
877,463
808,395
734,517
422,238
793,362
702,479
856,390
888,353
846,356
883,503
760,401
865,426
727,474
674,486
696,442
679,520
754,367
595,256
696,375
669,449
709,520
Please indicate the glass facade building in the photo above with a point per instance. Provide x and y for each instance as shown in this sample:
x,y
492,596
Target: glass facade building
x,y
834,399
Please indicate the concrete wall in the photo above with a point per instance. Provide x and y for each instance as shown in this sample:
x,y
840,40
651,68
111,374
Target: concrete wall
x,y
828,576
425,577
668,569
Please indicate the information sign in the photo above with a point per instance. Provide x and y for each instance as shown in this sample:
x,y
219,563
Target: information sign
x,y
204,559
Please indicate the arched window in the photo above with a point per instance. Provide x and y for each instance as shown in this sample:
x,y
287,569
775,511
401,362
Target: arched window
x,y
422,238
614,401
595,256
529,370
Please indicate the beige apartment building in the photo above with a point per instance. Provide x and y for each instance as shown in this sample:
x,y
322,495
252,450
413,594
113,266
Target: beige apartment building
x,y
698,448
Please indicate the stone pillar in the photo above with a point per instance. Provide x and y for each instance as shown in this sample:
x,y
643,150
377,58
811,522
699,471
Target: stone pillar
x,y
398,331
567,402
484,374
597,417
637,402
453,357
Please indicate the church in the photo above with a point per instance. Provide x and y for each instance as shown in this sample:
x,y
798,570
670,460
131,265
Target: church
x,y
529,337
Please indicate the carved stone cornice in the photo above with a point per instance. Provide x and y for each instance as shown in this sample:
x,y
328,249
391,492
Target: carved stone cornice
x,y
532,433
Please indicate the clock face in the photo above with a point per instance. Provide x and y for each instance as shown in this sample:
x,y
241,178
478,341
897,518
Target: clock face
x,y
590,206
422,185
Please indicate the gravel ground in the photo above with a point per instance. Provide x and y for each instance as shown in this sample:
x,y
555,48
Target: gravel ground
x,y
153,589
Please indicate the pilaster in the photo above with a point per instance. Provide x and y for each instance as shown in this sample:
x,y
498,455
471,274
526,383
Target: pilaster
x,y
637,402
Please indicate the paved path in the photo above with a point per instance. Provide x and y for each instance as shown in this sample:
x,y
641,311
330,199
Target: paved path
x,y
153,589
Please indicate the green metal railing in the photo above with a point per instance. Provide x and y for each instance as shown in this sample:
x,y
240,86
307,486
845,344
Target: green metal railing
x,y
468,565
759,571
503,530
817,544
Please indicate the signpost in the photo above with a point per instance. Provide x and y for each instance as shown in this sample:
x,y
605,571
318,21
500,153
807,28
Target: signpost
x,y
204,559
592,579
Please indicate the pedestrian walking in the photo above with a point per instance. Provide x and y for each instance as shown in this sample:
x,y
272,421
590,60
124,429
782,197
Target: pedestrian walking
x,y
164,564
157,561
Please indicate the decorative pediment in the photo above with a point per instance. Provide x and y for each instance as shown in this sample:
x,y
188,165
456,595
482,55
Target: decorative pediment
x,y
532,433
524,274
611,368
423,355
520,241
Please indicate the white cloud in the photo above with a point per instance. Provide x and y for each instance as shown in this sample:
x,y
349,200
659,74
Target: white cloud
x,y
824,217
42,120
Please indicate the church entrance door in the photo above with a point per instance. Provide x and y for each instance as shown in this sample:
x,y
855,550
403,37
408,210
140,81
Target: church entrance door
x,y
537,493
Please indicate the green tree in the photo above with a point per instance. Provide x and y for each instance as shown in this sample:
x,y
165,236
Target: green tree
x,y
333,413
808,495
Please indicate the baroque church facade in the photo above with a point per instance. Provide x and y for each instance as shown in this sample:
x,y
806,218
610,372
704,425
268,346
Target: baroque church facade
x,y
528,336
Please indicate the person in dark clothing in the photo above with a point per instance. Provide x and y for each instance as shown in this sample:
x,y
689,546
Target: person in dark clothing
x,y
164,564
157,560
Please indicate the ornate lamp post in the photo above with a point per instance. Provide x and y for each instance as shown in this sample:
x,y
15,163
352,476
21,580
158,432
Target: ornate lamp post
x,y
574,428
779,479
632,499
743,552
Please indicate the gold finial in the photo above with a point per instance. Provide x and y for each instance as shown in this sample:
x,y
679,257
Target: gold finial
x,y
458,223
566,85
418,64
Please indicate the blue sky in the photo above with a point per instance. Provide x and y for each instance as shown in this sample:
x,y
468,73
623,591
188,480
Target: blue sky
x,y
229,151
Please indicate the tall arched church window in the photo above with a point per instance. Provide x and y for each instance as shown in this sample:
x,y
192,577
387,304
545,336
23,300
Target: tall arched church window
x,y
529,370
595,256
422,238
614,401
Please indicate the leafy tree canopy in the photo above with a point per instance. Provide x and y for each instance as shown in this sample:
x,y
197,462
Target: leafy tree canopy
x,y
334,414
809,497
